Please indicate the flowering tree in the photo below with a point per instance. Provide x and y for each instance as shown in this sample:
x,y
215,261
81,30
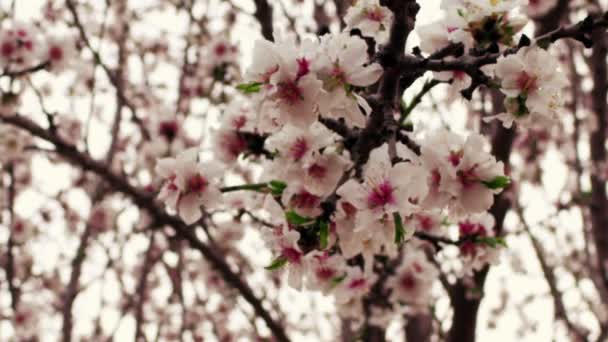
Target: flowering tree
x,y
155,188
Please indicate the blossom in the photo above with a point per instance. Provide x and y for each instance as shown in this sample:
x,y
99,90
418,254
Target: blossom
x,y
22,230
102,217
70,129
532,82
354,241
353,287
283,241
343,63
296,148
26,321
323,172
427,221
289,85
372,19
487,21
413,279
229,141
60,52
19,46
325,270
220,50
458,172
12,143
386,189
437,35
188,184
476,254
299,199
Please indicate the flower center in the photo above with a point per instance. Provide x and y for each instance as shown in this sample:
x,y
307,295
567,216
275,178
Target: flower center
x,y
408,281
526,82
197,183
435,178
220,49
239,122
56,53
305,199
299,148
357,283
303,67
290,93
317,171
374,14
235,144
7,49
381,195
292,255
455,157
468,177
168,129
325,273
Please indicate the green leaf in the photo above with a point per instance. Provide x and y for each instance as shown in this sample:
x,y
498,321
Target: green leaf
x,y
323,234
277,263
337,280
248,88
499,182
297,220
276,187
492,241
399,229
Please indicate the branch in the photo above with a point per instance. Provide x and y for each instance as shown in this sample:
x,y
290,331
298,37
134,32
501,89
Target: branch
x,y
10,257
146,202
471,64
558,303
118,85
263,13
12,74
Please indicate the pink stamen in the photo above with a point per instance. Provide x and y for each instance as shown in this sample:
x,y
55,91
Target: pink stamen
x,y
168,129
455,157
325,273
292,255
56,53
303,67
526,82
299,148
305,199
357,283
381,195
375,14
317,171
290,93
197,183
408,281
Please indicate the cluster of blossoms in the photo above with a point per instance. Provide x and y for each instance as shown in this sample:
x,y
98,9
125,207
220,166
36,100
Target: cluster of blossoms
x,y
531,79
330,221
292,86
533,84
188,185
23,46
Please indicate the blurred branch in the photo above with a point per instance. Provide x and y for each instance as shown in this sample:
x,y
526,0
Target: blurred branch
x,y
560,312
263,13
146,202
10,257
112,76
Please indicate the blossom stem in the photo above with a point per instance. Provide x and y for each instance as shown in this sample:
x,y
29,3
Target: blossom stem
x,y
258,187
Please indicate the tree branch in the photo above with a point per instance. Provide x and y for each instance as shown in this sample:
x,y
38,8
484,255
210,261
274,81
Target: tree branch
x,y
146,202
